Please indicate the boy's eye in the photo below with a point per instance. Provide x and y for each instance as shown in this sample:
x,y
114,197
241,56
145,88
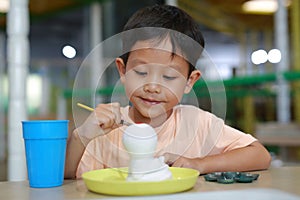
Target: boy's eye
x,y
140,73
169,77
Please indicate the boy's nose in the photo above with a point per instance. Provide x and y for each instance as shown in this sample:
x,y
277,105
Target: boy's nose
x,y
152,88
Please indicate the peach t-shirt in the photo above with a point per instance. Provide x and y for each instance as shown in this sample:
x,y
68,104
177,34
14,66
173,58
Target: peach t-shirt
x,y
189,132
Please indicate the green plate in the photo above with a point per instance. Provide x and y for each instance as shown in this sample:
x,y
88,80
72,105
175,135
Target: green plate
x,y
112,181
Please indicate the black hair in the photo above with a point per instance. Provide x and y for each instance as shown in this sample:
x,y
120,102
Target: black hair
x,y
171,22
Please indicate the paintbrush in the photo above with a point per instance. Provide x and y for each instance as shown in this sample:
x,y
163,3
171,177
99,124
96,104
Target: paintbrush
x,y
123,122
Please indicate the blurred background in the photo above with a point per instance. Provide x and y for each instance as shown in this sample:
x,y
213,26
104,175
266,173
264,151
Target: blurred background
x,y
254,44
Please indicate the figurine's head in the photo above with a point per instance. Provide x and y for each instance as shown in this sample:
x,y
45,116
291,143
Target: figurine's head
x,y
140,140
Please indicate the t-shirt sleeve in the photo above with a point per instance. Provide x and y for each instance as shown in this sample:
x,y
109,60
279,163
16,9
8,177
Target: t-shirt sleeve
x,y
102,152
230,138
216,137
89,161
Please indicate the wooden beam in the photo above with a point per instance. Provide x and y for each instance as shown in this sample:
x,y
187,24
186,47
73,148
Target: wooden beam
x,y
211,16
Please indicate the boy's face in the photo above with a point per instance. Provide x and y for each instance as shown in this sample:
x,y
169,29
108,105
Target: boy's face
x,y
155,81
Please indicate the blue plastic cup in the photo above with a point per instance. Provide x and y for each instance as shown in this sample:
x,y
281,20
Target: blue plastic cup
x,y
45,147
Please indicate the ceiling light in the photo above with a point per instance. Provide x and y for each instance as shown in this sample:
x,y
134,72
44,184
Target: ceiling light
x,y
4,6
260,6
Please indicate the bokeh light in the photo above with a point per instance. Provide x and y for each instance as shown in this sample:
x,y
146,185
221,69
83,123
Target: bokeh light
x,y
274,56
69,51
259,57
4,6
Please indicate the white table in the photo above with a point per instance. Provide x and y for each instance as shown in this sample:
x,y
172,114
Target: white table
x,y
276,183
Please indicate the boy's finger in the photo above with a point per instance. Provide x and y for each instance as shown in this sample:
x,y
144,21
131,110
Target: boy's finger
x,y
115,104
117,112
170,157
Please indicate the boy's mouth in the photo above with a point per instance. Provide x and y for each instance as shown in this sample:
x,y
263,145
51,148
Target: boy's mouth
x,y
150,101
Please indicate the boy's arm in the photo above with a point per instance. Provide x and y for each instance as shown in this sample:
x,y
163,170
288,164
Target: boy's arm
x,y
105,118
75,149
249,158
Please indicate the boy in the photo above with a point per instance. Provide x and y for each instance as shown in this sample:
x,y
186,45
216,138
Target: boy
x,y
156,70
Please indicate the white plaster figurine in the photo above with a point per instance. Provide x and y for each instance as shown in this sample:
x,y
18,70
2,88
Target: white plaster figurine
x,y
140,141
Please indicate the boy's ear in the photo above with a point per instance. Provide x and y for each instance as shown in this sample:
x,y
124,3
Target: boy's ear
x,y
121,68
195,75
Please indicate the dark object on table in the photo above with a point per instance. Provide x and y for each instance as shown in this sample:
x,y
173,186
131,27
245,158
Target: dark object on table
x,y
231,177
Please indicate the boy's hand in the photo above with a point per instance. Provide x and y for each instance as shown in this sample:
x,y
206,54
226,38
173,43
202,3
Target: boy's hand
x,y
174,160
108,116
102,120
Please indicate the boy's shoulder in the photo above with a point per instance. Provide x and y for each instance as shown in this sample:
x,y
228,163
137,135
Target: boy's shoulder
x,y
188,108
190,111
193,113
